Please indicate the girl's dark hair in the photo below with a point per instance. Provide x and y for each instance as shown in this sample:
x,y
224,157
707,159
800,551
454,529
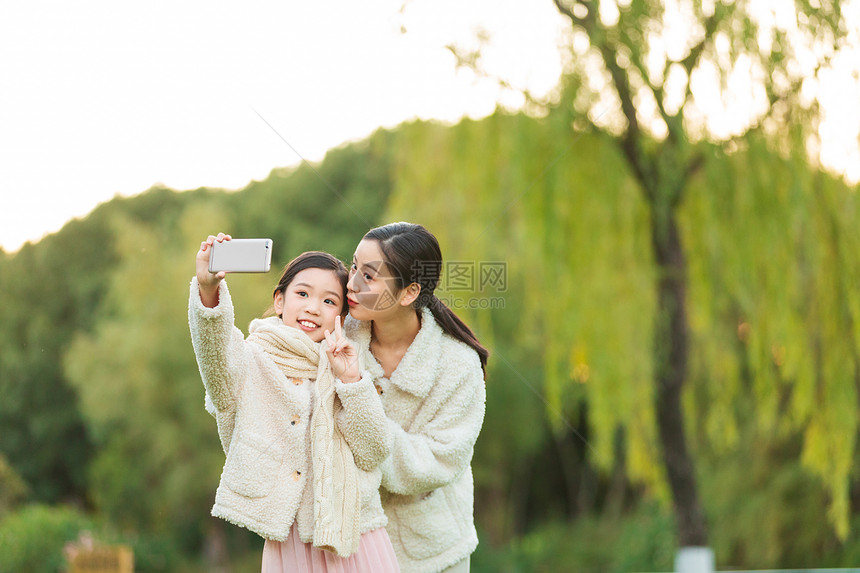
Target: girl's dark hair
x,y
314,260
413,255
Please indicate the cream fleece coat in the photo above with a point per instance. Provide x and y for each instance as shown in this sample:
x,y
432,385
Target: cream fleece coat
x,y
264,423
435,403
336,498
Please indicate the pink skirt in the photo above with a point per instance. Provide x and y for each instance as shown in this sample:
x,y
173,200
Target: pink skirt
x,y
375,555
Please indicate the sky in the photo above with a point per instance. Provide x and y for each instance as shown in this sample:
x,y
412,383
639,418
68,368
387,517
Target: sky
x,y
103,98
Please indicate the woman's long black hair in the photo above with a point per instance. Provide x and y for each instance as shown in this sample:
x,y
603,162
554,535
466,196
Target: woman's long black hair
x,y
413,255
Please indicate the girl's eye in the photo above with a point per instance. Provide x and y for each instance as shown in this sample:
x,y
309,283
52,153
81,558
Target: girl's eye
x,y
352,266
329,301
302,293
367,277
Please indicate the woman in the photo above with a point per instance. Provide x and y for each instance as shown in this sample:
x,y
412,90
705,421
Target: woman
x,y
429,369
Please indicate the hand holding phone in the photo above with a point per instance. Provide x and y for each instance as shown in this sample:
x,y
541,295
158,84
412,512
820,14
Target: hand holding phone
x,y
212,267
241,256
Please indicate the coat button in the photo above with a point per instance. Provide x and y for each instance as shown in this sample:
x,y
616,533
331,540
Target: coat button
x,y
378,389
297,475
295,420
297,381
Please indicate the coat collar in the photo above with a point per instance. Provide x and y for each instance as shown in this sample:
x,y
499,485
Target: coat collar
x,y
416,372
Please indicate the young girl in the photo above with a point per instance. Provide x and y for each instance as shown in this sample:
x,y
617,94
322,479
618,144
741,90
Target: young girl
x,y
303,431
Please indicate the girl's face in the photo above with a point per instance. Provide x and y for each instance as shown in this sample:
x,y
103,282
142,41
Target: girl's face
x,y
311,302
372,292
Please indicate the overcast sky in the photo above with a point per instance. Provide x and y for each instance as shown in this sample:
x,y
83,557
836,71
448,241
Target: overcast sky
x,y
99,98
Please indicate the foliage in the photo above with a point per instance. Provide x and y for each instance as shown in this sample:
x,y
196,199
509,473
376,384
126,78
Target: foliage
x,y
775,318
759,525
655,76
102,399
57,287
33,538
13,490
771,313
644,63
139,390
40,434
36,538
642,541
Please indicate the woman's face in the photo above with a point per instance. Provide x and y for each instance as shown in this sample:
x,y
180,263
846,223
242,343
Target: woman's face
x,y
372,292
311,302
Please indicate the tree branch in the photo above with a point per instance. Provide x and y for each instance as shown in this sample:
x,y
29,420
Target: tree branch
x,y
656,91
774,100
692,60
630,142
470,60
567,11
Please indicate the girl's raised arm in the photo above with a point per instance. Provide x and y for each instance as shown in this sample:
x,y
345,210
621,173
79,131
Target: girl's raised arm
x,y
207,281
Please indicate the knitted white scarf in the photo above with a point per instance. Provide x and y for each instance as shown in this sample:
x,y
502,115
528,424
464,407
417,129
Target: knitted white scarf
x,y
337,501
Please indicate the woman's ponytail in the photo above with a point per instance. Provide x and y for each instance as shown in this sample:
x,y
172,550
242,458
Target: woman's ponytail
x,y
453,326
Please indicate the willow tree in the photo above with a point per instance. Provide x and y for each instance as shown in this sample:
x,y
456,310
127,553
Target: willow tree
x,y
654,76
641,74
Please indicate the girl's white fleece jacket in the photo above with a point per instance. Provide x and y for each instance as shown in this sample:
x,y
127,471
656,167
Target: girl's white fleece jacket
x,y
263,422
435,403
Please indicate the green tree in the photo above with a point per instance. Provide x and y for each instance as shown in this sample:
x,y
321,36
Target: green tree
x,y
33,538
55,289
772,278
633,76
627,45
51,290
158,455
772,319
13,490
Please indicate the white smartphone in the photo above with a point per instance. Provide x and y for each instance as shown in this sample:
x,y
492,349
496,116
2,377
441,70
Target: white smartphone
x,y
241,256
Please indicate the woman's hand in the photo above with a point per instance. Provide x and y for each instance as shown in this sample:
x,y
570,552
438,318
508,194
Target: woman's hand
x,y
209,281
342,355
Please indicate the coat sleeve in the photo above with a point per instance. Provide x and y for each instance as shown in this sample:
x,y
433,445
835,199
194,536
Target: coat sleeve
x,y
441,449
219,346
363,423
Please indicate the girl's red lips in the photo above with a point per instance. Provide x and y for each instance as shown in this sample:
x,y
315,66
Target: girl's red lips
x,y
351,302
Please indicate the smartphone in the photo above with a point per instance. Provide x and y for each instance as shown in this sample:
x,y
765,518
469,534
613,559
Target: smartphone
x,y
241,256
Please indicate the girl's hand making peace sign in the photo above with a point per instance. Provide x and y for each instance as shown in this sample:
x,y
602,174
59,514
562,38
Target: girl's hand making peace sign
x,y
342,355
